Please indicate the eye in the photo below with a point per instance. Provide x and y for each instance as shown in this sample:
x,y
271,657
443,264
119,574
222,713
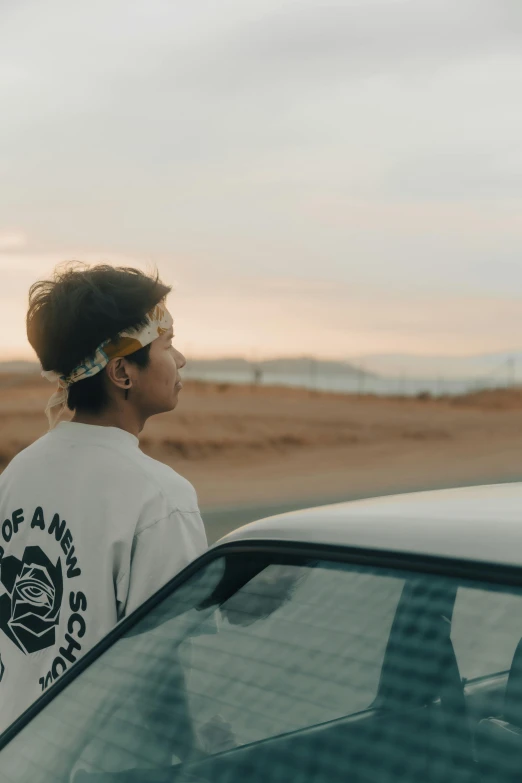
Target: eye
x,y
34,592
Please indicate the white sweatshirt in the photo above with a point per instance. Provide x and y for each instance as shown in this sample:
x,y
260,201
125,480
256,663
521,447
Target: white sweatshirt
x,y
90,527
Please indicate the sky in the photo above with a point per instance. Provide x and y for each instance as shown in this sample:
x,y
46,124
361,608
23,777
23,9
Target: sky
x,y
329,178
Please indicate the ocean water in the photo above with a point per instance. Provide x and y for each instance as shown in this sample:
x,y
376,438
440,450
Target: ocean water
x,y
350,384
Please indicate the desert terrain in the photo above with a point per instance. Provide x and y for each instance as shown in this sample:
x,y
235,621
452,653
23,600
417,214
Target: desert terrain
x,y
250,450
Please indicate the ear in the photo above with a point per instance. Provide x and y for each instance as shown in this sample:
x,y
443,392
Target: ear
x,y
118,373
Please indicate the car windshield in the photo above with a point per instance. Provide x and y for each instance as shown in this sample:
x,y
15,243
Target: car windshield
x,y
288,668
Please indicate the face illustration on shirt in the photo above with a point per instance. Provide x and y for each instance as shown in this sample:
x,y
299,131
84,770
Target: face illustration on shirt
x,y
30,609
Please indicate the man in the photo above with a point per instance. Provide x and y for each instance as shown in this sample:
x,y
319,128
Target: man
x,y
90,526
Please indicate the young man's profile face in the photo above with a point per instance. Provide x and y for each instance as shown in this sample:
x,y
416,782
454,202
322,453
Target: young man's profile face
x,y
158,385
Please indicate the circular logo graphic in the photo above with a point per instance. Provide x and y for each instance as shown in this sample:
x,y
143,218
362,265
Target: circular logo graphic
x,y
30,610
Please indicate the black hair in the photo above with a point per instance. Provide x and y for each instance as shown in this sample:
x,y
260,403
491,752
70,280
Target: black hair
x,y
70,315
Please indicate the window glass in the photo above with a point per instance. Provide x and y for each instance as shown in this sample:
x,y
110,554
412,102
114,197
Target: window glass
x,y
316,658
295,646
486,629
268,667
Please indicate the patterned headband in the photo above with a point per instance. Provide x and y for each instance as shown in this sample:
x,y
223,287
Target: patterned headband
x,y
159,321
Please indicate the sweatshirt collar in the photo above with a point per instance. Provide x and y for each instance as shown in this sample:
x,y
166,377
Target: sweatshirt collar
x,y
91,433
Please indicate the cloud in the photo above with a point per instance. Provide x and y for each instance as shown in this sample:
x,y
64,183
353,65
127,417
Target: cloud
x,y
372,144
12,240
357,40
249,315
274,317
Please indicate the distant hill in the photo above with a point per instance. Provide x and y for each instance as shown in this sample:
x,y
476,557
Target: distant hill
x,y
303,364
497,366
286,366
231,364
505,365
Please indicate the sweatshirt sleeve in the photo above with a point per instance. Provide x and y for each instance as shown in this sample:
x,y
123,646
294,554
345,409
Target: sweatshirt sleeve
x,y
159,552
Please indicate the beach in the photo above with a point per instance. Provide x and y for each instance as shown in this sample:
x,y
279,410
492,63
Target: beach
x,y
251,451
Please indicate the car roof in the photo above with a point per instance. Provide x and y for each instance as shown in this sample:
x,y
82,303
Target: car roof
x,y
473,523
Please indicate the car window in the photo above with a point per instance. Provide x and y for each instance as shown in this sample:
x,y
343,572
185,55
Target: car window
x,y
297,645
318,657
277,667
486,629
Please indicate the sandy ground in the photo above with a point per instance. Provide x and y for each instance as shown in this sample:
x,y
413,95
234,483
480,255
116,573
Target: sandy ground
x,y
245,447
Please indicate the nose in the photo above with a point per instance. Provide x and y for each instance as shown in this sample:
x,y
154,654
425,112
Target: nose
x,y
180,360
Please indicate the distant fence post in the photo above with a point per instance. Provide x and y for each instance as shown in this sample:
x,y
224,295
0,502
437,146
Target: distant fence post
x,y
361,377
257,375
313,375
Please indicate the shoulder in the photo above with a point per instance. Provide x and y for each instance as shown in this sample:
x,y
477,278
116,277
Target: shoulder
x,y
178,492
152,489
32,452
174,508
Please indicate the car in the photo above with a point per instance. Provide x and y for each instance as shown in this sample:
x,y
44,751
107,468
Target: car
x,y
371,641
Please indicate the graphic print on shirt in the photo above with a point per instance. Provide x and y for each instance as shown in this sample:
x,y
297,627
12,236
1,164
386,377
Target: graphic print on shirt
x,y
30,609
2,668
38,608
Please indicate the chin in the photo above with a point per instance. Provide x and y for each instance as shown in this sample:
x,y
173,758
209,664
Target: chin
x,y
166,407
170,406
173,404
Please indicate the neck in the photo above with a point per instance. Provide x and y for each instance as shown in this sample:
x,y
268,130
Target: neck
x,y
127,419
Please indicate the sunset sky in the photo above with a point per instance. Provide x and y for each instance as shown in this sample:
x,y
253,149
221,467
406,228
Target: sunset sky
x,y
331,178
